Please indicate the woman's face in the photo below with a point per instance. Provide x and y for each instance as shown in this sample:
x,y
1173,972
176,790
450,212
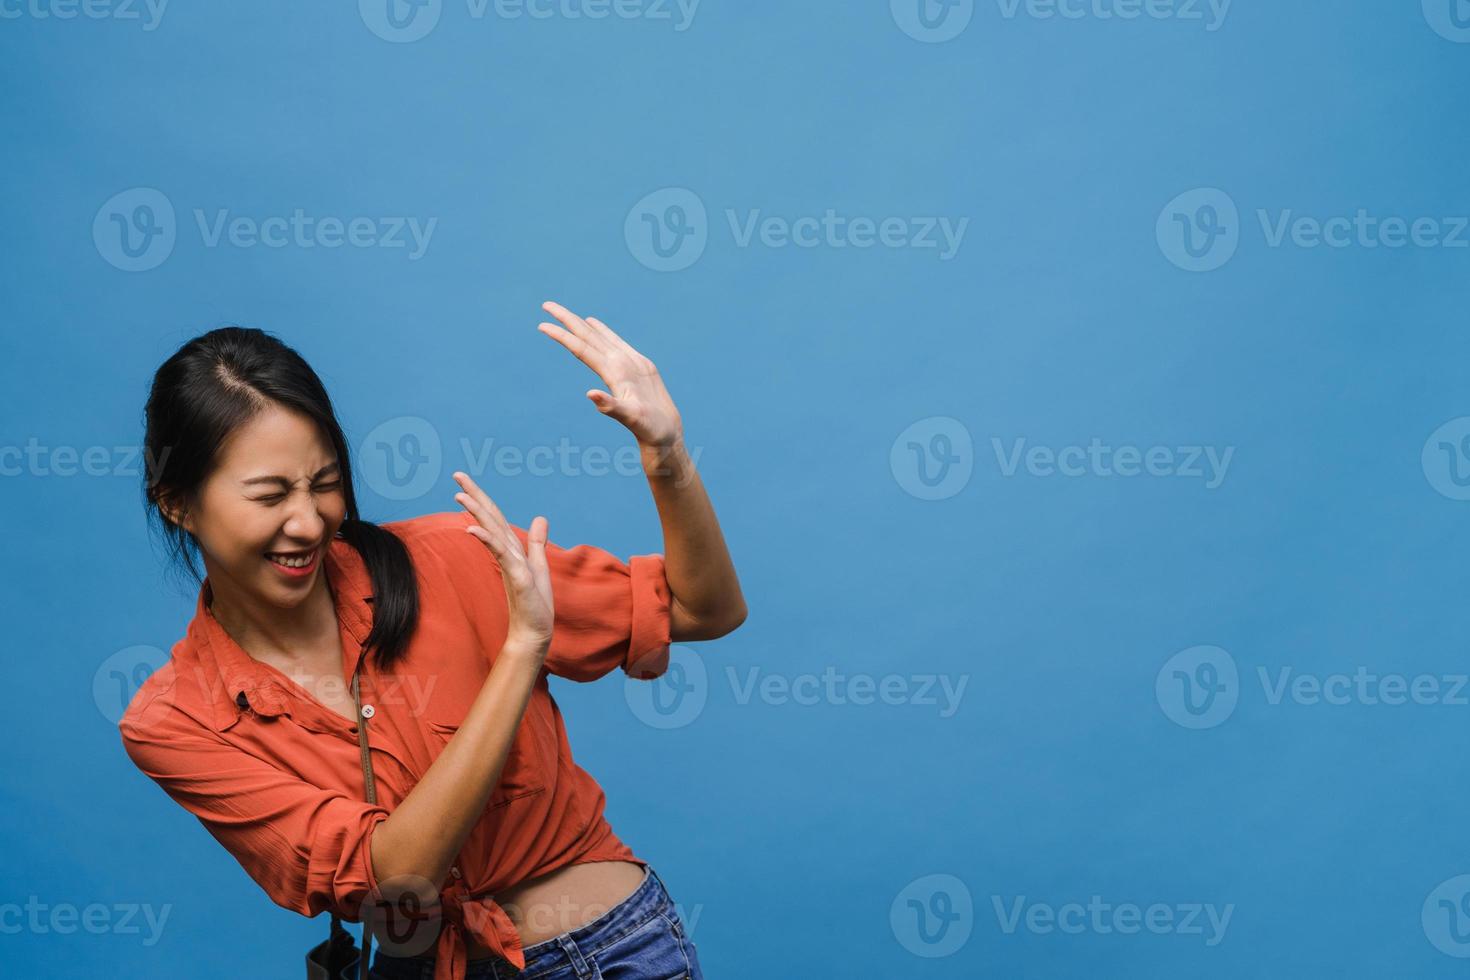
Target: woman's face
x,y
274,500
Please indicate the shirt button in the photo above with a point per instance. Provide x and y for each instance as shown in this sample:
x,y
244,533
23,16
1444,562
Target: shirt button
x,y
455,871
368,711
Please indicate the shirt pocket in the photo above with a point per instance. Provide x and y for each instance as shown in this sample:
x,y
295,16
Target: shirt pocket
x,y
528,764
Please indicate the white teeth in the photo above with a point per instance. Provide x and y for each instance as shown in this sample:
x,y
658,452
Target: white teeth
x,y
291,562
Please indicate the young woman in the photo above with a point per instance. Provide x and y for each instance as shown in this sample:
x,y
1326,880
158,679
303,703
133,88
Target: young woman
x,y
446,625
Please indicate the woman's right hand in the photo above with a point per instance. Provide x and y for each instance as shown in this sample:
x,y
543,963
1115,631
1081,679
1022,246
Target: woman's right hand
x,y
523,571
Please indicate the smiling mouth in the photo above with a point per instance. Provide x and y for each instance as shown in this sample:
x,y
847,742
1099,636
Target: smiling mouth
x,y
293,560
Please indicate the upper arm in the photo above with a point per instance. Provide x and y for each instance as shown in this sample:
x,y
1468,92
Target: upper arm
x,y
308,847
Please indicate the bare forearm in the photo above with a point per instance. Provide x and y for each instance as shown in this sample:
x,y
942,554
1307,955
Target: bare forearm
x,y
707,601
425,832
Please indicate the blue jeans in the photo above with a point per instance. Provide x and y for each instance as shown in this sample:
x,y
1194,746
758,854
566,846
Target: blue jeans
x,y
640,938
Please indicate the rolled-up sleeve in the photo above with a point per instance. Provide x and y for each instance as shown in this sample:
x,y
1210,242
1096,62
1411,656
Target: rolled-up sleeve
x,y
307,847
607,613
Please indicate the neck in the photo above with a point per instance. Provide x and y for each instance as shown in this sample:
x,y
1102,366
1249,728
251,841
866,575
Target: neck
x,y
263,628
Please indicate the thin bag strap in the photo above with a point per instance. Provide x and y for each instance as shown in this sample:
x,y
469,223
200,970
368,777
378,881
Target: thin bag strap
x,y
364,965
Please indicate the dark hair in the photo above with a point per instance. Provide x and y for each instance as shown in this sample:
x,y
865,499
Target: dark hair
x,y
200,395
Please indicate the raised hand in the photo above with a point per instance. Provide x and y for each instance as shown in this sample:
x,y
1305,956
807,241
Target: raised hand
x,y
523,571
635,394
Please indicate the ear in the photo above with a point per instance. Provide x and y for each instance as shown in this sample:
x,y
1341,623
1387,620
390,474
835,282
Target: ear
x,y
174,514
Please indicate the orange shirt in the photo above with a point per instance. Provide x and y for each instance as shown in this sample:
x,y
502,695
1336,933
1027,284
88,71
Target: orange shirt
x,y
276,776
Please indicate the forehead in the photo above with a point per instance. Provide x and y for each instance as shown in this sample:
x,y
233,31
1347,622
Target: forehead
x,y
276,441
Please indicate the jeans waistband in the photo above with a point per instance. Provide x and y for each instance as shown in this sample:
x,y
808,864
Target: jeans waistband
x,y
647,900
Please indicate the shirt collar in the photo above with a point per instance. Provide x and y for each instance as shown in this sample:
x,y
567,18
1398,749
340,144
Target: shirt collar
x,y
228,672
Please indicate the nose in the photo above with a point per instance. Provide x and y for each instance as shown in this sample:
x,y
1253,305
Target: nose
x,y
304,523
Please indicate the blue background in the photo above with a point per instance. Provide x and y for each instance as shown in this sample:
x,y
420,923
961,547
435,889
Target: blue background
x,y
789,832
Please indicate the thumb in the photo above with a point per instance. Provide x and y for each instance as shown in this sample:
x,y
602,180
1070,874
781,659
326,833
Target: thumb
x,y
605,403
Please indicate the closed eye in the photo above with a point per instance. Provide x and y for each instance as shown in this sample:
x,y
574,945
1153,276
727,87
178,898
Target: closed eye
x,y
276,498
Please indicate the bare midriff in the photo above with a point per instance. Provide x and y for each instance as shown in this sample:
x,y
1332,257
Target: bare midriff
x,y
563,900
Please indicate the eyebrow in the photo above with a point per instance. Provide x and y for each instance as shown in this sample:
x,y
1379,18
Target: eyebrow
x,y
282,481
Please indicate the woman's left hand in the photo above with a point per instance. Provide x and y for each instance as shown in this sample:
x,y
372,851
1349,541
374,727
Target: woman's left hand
x,y
635,393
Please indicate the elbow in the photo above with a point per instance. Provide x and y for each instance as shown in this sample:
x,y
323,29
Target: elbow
x,y
718,626
685,626
736,619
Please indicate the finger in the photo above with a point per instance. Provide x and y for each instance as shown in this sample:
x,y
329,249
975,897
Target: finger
x,y
486,506
536,552
575,324
493,542
585,352
608,335
495,534
605,403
